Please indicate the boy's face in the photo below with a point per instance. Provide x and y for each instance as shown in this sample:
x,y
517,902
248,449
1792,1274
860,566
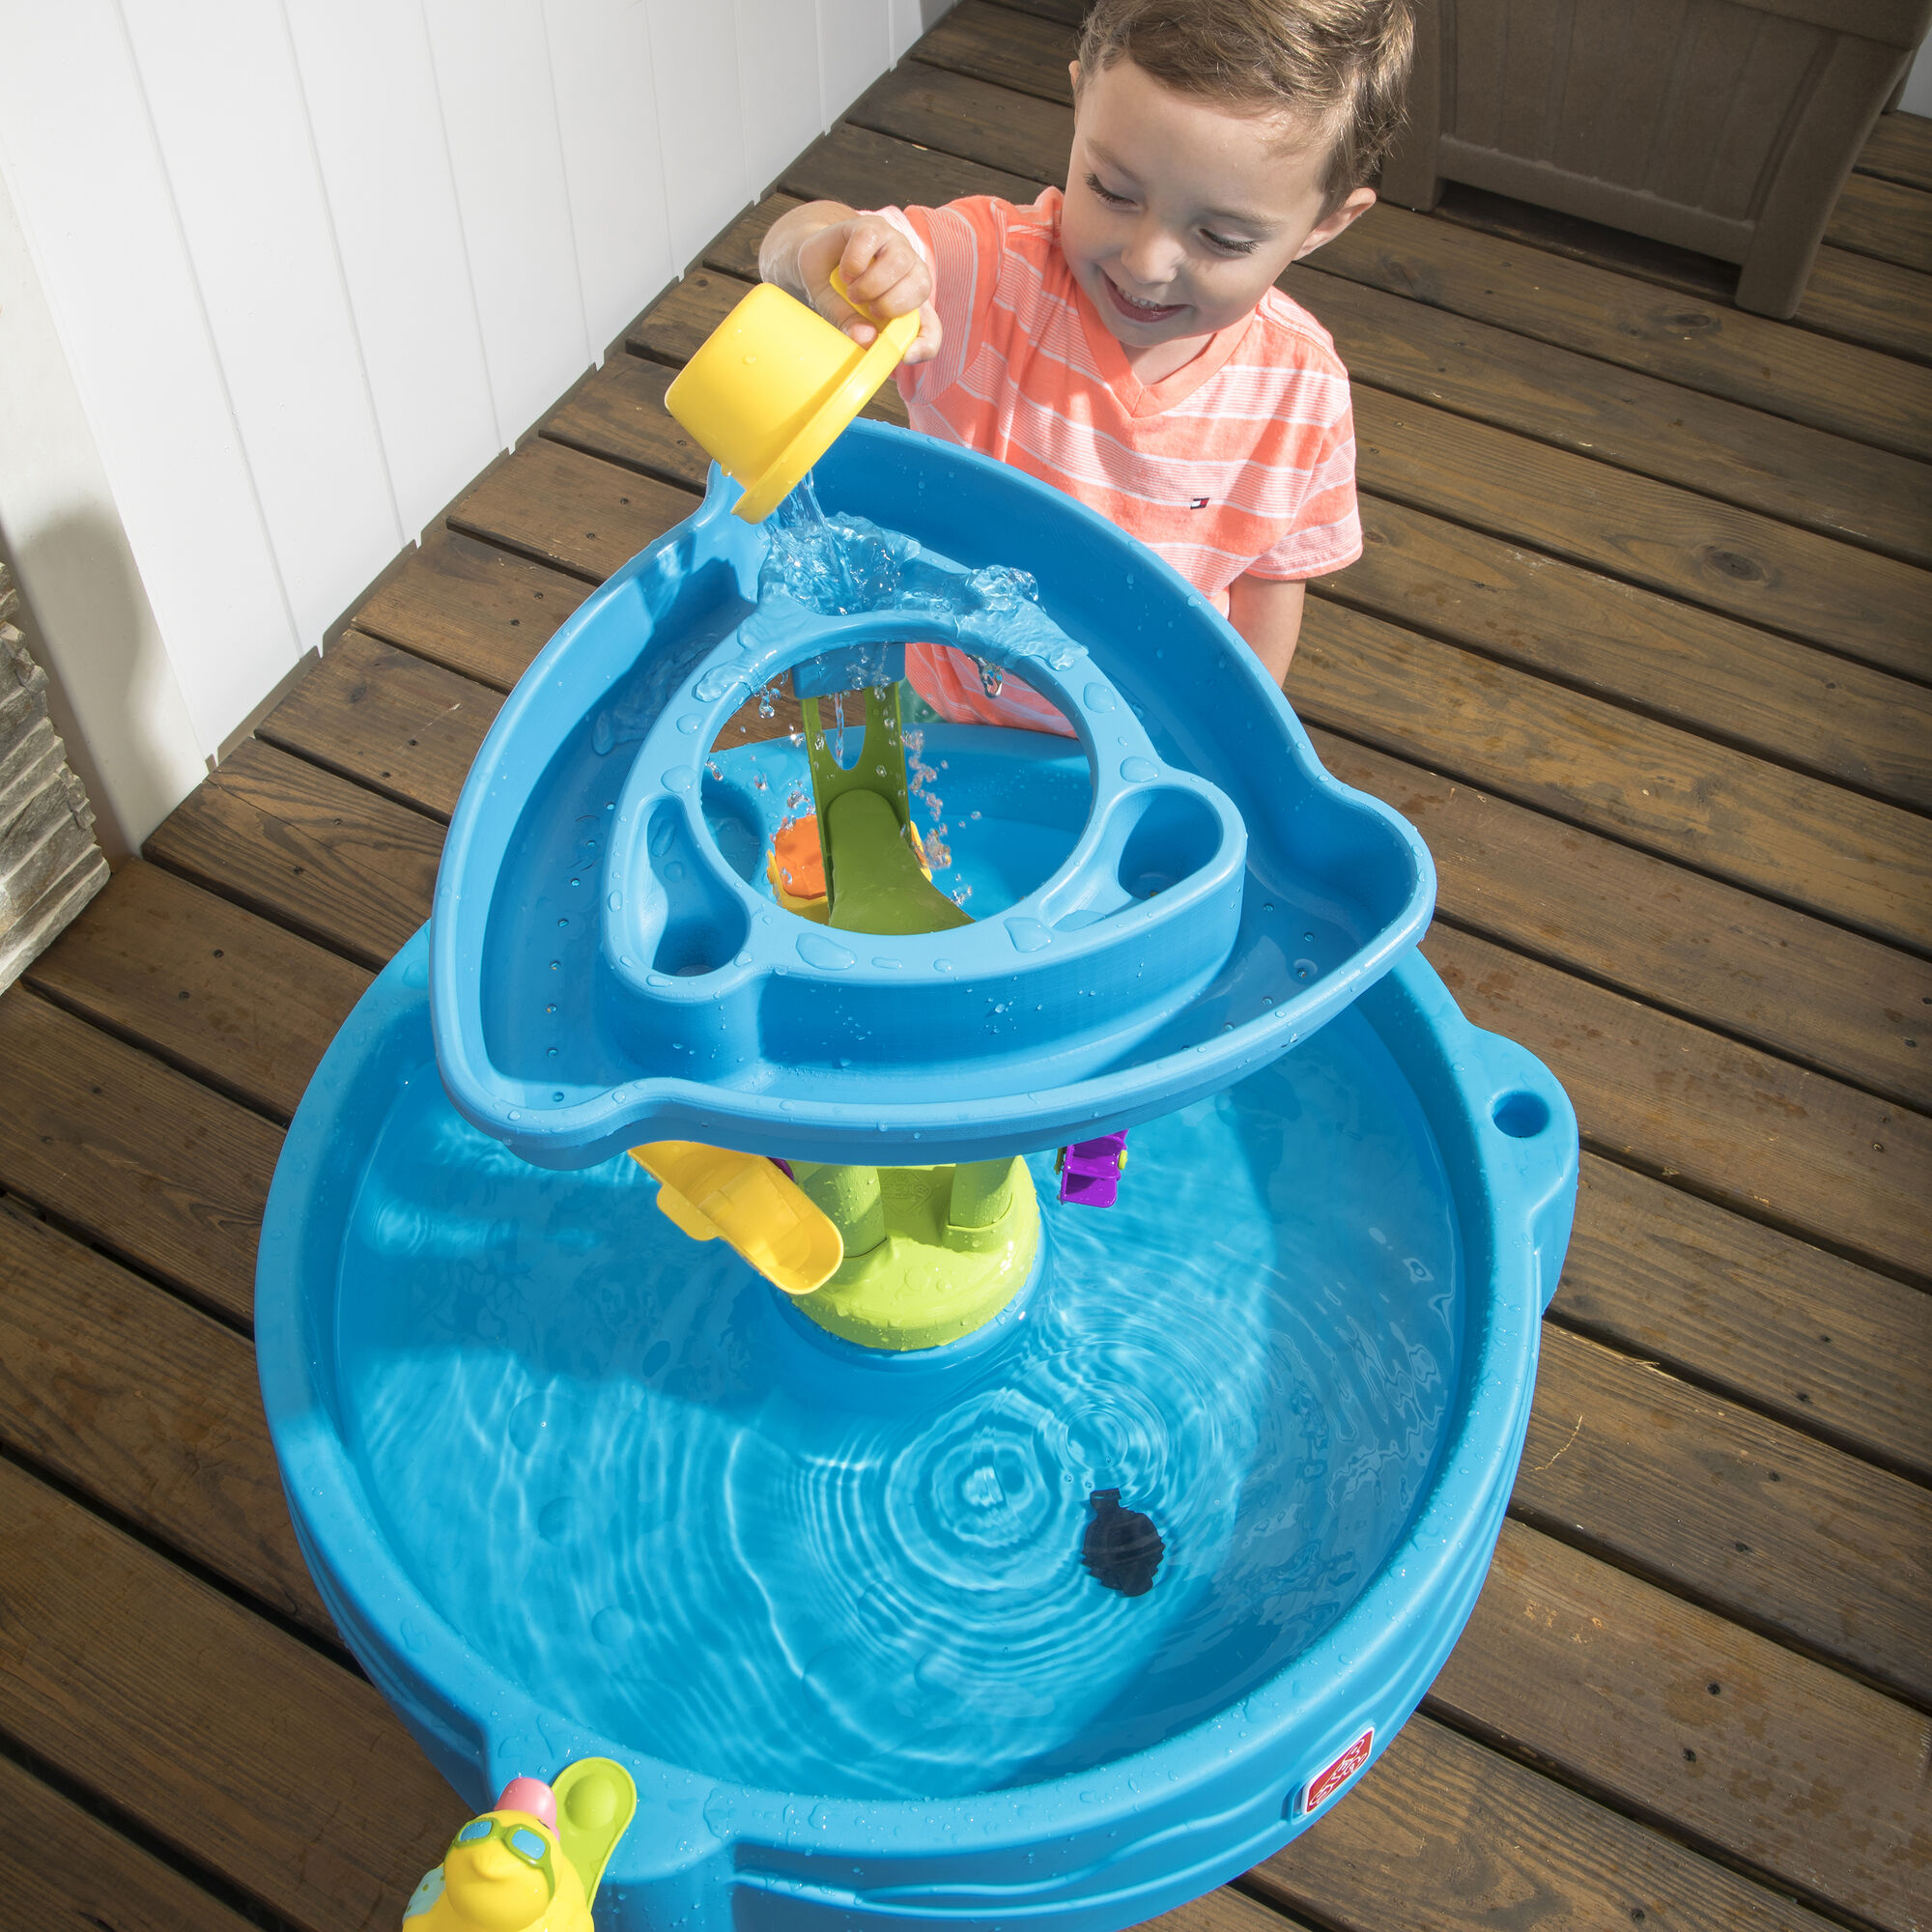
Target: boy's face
x,y
1179,213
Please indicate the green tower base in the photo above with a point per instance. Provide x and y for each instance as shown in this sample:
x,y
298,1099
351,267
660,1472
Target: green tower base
x,y
931,1252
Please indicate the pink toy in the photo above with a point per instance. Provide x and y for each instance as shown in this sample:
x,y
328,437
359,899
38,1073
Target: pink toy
x,y
531,1794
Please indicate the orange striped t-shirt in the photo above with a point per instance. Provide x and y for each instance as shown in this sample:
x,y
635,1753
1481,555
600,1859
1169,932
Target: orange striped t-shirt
x,y
1242,463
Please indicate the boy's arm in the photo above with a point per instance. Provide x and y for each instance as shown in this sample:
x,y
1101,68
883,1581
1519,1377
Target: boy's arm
x,y
879,267
1267,610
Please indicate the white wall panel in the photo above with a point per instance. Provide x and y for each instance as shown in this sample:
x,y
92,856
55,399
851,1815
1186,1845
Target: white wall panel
x,y
306,265
910,19
227,105
600,58
499,114
701,118
855,49
378,129
778,67
87,179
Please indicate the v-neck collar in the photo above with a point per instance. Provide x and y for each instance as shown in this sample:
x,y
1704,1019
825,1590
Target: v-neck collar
x,y
1143,399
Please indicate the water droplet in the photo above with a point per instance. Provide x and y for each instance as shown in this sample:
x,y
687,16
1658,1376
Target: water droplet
x,y
1305,968
689,722
679,779
720,681
815,950
1028,936
1137,771
515,1115
942,966
615,901
657,978
888,963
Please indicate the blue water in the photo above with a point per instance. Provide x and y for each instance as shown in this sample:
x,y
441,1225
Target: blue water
x,y
606,1457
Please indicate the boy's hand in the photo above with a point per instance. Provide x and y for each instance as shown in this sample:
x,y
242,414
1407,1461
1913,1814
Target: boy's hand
x,y
882,271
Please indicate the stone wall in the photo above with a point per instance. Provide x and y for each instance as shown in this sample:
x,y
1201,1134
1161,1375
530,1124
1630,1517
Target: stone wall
x,y
49,865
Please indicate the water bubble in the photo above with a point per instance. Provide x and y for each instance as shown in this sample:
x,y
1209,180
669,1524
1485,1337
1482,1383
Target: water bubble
x,y
679,779
689,722
615,902
816,950
1100,698
1138,771
943,966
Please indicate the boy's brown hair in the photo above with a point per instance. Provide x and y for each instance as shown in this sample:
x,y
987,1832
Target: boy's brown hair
x,y
1340,62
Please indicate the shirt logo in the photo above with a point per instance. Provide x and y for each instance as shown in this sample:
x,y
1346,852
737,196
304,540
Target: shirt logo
x,y
1197,503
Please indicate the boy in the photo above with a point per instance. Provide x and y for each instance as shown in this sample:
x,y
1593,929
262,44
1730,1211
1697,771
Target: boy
x,y
1124,341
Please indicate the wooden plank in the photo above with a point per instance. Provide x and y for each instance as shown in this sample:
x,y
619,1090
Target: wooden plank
x,y
224,996
345,868
1741,456
1884,218
471,606
1833,1556
1900,148
257,1756
148,1405
1875,303
63,1871
1717,677
1820,1343
974,119
1770,830
1699,343
1869,607
735,251
156,1167
1725,958
617,413
1786,1766
867,170
387,721
570,510
1819,1159
674,326
1445,1836
1017,50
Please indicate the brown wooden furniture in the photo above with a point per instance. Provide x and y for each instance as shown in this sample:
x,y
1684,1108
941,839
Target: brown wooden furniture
x,y
1727,126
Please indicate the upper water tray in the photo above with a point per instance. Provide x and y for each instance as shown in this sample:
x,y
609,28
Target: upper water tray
x,y
601,976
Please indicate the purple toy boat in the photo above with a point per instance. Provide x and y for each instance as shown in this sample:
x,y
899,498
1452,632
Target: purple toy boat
x,y
1089,1171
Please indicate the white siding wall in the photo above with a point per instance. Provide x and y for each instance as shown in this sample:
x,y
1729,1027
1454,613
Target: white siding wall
x,y
310,264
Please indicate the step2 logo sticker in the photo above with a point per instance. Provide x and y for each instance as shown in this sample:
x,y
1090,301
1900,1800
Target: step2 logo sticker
x,y
1325,1784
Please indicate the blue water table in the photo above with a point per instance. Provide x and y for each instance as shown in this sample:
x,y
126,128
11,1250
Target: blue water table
x,y
921,1555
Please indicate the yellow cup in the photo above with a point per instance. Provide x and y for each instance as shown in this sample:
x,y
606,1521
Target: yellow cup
x,y
772,387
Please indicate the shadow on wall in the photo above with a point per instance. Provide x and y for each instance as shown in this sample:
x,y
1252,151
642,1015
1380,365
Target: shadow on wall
x,y
111,692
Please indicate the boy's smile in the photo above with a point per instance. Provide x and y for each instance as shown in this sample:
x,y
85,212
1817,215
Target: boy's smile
x,y
1180,213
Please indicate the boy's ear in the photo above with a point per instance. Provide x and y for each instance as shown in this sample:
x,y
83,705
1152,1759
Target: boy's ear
x,y
1360,200
1073,74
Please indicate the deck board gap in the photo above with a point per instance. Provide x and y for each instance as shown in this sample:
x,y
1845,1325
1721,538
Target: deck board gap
x,y
1784,1053
1860,1449
1446,768
1336,590
205,1878
1613,1557
1634,1162
336,1652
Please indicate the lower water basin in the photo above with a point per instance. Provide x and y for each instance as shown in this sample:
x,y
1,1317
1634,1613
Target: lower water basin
x,y
607,1460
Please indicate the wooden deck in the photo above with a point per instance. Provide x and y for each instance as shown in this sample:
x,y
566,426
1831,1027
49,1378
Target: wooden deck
x,y
1640,643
